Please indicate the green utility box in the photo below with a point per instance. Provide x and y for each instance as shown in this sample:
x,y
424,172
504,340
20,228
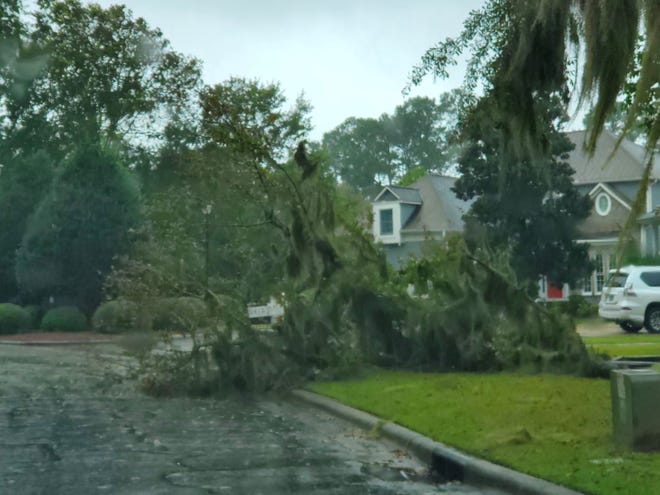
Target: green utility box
x,y
636,408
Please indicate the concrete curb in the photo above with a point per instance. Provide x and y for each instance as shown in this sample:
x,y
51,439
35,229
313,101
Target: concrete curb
x,y
450,463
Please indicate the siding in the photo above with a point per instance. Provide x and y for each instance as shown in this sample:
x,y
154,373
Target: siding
x,y
597,225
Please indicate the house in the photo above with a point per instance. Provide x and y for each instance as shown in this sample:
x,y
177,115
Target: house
x,y
406,217
613,184
428,209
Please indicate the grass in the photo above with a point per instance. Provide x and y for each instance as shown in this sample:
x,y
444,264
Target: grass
x,y
555,427
642,344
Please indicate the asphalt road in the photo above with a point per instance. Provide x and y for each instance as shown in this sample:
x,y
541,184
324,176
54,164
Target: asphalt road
x,y
68,426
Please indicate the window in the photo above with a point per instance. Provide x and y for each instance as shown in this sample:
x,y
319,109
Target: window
x,y
619,279
652,279
386,222
603,204
600,272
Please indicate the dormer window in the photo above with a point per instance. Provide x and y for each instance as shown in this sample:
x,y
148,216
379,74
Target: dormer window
x,y
386,222
392,209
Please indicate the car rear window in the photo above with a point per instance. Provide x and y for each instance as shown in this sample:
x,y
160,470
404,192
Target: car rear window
x,y
618,279
652,279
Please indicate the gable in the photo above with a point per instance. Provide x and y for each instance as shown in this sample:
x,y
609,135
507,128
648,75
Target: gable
x,y
403,194
602,191
386,195
608,214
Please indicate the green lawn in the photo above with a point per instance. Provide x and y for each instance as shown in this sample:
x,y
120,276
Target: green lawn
x,y
641,344
555,427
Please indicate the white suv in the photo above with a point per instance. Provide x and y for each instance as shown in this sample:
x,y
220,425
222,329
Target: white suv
x,y
631,297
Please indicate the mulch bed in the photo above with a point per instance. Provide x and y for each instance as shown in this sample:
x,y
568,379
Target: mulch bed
x,y
56,337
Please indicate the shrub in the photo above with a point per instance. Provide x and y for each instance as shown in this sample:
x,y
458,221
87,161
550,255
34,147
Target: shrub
x,y
115,317
180,314
64,319
578,306
13,319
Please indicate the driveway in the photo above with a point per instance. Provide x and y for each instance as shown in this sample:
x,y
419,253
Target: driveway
x,y
599,328
69,425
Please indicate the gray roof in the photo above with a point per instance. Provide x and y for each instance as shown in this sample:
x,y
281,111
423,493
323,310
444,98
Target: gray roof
x,y
627,164
441,210
404,194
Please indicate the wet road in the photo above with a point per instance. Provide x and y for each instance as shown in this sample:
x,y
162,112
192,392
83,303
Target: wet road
x,y
68,427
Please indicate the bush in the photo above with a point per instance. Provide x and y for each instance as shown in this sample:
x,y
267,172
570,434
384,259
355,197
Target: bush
x,y
115,317
13,319
64,319
180,314
578,306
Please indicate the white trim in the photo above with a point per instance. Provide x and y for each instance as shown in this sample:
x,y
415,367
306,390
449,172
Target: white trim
x,y
387,188
609,240
605,211
395,237
609,191
643,240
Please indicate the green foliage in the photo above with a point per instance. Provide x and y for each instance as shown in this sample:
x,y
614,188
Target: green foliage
x,y
182,314
64,319
470,314
116,316
11,26
251,118
418,135
345,308
99,73
24,182
35,313
636,259
13,319
227,355
577,306
520,49
80,226
411,176
529,206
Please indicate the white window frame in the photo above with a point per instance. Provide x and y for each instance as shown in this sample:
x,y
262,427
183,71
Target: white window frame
x,y
395,236
380,217
605,211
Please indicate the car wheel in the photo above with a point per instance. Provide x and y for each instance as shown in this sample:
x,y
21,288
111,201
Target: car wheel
x,y
652,323
630,327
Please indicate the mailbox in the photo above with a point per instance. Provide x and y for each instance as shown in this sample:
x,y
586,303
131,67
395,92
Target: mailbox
x,y
636,408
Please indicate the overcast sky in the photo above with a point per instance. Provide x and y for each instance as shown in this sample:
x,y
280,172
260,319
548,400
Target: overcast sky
x,y
349,57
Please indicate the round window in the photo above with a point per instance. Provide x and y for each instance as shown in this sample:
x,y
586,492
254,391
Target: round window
x,y
603,204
